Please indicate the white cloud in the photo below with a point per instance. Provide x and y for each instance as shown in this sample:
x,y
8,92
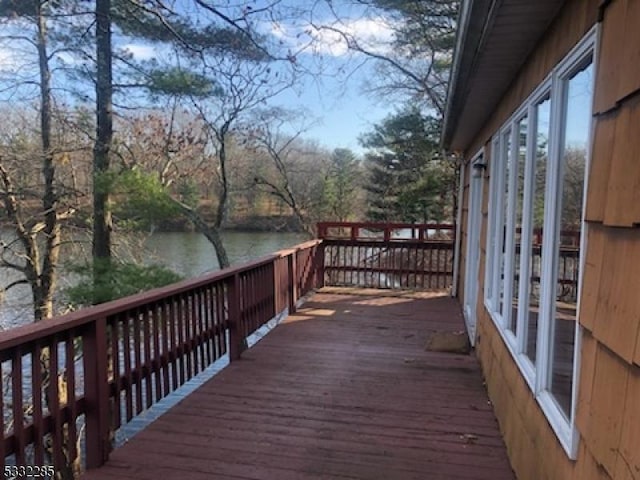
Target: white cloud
x,y
373,34
140,52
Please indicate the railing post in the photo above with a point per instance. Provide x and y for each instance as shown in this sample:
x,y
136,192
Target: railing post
x,y
96,386
293,281
235,318
319,265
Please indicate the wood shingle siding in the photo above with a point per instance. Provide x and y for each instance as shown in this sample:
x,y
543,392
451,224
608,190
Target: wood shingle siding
x,y
614,198
604,132
619,65
603,426
614,193
610,309
628,461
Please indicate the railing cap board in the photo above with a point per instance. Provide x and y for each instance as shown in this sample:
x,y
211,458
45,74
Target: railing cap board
x,y
382,226
47,328
375,242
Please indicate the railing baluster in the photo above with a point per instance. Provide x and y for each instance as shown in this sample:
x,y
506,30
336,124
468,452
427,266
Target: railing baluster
x,y
94,342
205,298
166,351
54,404
293,290
115,365
221,318
18,406
200,337
146,370
174,359
137,355
156,363
233,323
126,351
36,393
193,333
190,334
181,364
70,372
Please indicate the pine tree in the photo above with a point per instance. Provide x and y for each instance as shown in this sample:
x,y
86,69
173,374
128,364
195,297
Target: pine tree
x,y
407,179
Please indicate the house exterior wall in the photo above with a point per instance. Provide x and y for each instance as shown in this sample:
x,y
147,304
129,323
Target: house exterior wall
x,y
608,399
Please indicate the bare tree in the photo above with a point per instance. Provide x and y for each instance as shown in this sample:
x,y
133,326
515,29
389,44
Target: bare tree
x,y
300,168
37,231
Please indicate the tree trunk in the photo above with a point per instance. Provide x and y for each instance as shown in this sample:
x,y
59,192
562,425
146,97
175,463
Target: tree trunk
x,y
104,136
44,286
43,307
211,233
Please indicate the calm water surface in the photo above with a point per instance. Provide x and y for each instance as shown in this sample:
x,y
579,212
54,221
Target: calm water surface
x,y
189,254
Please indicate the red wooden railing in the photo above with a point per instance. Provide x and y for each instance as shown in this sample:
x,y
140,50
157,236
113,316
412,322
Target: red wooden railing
x,y
391,255
110,362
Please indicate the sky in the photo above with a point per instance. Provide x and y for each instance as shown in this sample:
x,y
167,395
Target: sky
x,y
336,106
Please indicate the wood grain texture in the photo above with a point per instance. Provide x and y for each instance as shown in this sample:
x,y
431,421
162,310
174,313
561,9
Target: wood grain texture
x,y
600,166
610,67
342,390
617,311
623,189
606,413
628,462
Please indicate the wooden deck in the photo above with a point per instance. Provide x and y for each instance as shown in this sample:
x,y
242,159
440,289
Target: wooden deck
x,y
344,389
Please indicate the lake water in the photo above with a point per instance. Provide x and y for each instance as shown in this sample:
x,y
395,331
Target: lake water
x,y
189,254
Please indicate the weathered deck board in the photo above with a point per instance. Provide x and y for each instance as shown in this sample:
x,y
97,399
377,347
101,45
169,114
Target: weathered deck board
x,y
342,390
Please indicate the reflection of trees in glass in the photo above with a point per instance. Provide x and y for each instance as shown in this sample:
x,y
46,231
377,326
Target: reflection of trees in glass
x,y
520,166
522,157
506,155
572,187
543,110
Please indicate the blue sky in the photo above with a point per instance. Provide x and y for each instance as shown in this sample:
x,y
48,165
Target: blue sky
x,y
337,106
343,110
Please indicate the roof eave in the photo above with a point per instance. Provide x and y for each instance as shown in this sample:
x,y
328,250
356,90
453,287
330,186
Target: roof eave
x,y
464,57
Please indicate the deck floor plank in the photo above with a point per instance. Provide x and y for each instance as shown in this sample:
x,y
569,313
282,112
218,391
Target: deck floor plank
x,y
343,389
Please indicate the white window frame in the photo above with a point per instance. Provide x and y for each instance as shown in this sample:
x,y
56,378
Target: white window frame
x,y
538,375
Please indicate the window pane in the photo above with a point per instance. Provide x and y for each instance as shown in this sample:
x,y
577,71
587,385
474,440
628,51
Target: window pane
x,y
576,135
491,239
543,112
502,212
516,230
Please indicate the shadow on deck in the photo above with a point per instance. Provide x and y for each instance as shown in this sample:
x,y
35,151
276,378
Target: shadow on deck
x,y
343,389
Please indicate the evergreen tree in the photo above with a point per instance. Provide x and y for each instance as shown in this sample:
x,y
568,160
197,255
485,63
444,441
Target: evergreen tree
x,y
342,185
408,181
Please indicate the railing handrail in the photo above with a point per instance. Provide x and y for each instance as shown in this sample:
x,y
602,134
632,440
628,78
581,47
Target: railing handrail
x,y
423,232
391,225
34,331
